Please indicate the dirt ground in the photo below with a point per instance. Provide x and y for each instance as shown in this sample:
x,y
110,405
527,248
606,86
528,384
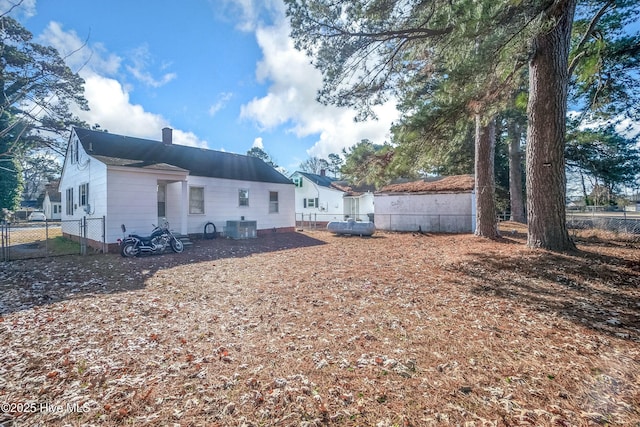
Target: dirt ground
x,y
310,329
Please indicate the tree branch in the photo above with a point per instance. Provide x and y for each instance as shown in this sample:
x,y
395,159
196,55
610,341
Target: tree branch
x,y
588,33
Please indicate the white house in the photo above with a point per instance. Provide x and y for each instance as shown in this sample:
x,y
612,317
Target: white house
x,y
317,198
323,199
444,205
358,201
52,203
140,182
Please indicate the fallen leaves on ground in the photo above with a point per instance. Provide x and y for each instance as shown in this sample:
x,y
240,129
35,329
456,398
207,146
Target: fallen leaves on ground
x,y
314,329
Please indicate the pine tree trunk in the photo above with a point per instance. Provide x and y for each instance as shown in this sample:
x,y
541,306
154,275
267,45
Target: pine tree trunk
x,y
486,222
515,174
546,111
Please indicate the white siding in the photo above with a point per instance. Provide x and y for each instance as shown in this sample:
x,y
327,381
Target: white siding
x,y
133,201
358,207
49,207
85,170
128,196
331,203
447,213
221,203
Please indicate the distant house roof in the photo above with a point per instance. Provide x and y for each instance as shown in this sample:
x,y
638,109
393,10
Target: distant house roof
x,y
352,190
336,184
52,190
119,150
321,180
449,184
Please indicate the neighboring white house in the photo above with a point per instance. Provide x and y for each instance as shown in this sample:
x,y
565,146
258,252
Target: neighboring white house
x,y
317,198
358,201
444,205
140,182
320,198
52,203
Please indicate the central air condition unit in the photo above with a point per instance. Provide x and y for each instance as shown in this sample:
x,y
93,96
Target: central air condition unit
x,y
241,229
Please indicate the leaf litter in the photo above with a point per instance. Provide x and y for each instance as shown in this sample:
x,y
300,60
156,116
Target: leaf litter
x,y
313,329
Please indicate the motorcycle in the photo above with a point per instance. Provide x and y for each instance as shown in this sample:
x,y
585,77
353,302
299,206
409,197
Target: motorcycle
x,y
157,242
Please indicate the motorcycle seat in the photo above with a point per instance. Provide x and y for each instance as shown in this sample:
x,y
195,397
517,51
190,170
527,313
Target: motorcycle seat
x,y
140,237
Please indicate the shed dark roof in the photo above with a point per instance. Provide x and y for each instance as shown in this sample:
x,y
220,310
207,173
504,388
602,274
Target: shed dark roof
x,y
137,152
448,184
321,180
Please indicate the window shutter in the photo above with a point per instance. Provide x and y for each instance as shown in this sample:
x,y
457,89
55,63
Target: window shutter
x,y
317,204
304,202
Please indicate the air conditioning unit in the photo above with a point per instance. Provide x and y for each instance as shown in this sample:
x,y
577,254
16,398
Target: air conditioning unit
x,y
241,229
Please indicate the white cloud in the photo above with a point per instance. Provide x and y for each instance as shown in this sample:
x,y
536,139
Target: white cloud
x,y
250,14
292,99
141,58
109,102
223,98
78,54
258,143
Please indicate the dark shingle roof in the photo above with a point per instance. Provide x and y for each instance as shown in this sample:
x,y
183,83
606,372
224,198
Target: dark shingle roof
x,y
321,180
137,152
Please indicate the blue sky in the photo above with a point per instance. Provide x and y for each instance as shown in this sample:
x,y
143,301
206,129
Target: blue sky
x,y
222,73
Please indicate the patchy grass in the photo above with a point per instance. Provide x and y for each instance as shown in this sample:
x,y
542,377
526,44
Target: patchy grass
x,y
314,329
62,245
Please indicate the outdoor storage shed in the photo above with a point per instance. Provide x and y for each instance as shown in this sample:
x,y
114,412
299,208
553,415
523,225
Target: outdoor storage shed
x,y
440,205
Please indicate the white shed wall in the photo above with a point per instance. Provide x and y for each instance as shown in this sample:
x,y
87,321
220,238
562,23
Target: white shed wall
x,y
442,212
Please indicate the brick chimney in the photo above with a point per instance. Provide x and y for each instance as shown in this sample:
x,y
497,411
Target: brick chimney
x,y
167,136
323,172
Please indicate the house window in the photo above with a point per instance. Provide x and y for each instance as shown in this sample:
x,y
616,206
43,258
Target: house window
x,y
69,201
243,197
311,203
74,151
273,202
83,194
196,200
162,198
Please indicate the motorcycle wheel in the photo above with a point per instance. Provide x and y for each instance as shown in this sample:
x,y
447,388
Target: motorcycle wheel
x,y
128,250
177,246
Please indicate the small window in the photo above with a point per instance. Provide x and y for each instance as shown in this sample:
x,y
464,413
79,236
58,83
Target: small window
x,y
243,197
162,197
273,202
69,200
311,203
196,200
74,151
83,194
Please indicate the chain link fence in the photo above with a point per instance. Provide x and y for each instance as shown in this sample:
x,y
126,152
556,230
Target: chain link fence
x,y
450,223
316,221
621,225
26,240
610,225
